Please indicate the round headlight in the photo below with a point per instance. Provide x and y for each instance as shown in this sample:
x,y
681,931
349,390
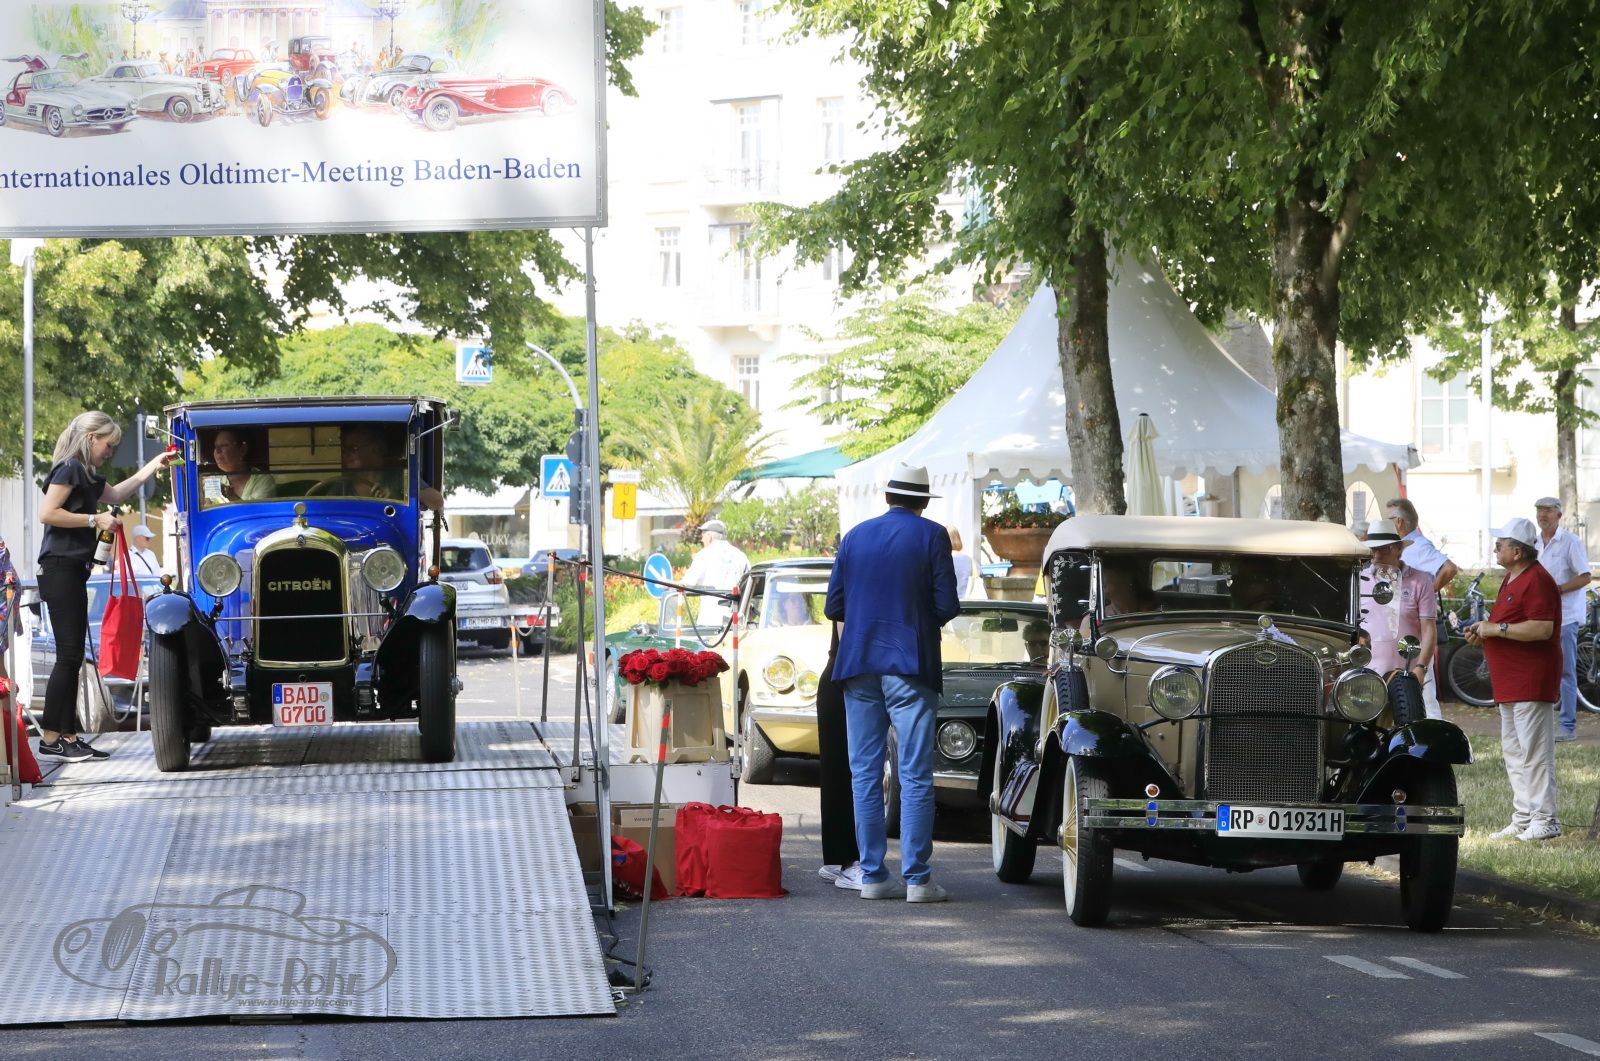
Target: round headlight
x,y
957,739
219,574
807,683
383,569
779,673
1360,695
1359,655
1175,693
78,111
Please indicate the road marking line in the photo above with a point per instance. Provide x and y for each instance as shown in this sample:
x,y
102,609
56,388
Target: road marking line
x,y
1128,863
1424,967
1572,1042
1361,965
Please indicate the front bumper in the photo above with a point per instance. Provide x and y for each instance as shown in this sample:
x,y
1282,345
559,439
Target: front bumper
x,y
1198,815
792,730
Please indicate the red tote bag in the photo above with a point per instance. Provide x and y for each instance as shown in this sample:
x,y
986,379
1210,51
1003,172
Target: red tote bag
x,y
122,629
15,732
743,858
693,818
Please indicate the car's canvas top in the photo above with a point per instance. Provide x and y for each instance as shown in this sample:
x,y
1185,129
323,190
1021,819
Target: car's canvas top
x,y
1184,534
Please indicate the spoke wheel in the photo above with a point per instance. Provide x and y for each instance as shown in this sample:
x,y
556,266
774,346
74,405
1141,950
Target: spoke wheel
x,y
1588,675
441,115
1085,855
1013,856
179,109
1468,673
53,122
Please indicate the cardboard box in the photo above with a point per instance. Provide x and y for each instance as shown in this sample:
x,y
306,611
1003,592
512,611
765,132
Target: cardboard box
x,y
633,821
586,835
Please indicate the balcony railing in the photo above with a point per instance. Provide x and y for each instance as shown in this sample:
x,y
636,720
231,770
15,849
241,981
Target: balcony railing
x,y
741,182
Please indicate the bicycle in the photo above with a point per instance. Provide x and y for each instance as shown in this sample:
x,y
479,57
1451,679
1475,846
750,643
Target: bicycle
x,y
1466,671
1589,657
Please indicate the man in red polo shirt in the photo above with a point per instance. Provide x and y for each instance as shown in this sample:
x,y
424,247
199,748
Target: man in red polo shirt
x,y
1521,642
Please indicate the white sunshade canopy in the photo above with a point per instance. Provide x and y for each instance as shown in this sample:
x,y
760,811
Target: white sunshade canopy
x,y
1009,422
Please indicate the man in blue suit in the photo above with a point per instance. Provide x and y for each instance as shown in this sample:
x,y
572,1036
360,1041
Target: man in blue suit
x,y
893,586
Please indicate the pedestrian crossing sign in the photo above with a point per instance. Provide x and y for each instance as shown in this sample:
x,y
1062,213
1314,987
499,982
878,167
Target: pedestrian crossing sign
x,y
474,363
555,475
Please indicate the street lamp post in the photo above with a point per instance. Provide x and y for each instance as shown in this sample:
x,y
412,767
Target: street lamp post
x,y
391,10
135,11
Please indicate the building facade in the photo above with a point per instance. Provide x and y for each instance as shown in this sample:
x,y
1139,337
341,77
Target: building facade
x,y
263,26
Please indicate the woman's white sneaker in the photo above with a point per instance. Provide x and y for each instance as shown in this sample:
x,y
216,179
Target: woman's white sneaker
x,y
1540,831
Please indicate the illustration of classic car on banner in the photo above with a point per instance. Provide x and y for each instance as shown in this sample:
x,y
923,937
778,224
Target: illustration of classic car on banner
x,y
395,99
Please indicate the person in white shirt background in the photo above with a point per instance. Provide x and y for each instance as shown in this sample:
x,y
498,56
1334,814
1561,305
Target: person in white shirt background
x,y
1422,555
146,564
719,565
1563,555
963,564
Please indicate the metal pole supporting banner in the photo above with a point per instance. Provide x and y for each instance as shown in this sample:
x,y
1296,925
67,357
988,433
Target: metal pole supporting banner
x,y
26,563
602,751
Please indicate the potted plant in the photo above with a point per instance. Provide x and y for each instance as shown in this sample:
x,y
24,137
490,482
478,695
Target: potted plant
x,y
679,683
1018,535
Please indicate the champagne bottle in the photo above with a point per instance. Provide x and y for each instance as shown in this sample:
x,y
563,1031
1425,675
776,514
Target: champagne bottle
x,y
104,540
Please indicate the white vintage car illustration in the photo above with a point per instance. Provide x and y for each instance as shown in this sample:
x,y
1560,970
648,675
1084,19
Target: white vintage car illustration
x,y
60,100
389,86
154,91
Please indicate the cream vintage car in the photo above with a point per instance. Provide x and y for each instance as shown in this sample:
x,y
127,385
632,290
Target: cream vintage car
x,y
1207,701
782,650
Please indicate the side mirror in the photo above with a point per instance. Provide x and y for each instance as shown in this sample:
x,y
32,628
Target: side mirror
x,y
1106,648
148,426
1383,593
1409,647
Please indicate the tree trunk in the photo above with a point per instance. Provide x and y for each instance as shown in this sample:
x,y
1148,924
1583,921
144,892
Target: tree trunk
x,y
1566,400
1305,296
1094,430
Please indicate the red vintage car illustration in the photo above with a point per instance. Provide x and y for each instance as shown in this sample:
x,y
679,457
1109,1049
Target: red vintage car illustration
x,y
225,65
441,102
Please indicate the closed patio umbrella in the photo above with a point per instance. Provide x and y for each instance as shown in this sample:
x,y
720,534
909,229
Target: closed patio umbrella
x,y
1142,482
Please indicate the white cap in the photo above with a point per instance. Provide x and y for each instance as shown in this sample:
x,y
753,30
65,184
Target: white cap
x,y
143,531
1519,529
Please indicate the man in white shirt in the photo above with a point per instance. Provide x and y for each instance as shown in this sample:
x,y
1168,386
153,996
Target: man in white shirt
x,y
146,565
1563,555
1420,554
720,565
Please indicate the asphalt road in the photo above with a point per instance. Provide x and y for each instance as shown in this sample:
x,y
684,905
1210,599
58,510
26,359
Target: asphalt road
x,y
1194,964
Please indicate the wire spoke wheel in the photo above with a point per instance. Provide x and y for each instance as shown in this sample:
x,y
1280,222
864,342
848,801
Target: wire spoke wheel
x,y
1468,674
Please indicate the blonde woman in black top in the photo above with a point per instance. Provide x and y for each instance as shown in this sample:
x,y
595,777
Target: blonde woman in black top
x,y
73,494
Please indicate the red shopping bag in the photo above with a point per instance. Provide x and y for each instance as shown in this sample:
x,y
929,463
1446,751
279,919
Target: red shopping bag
x,y
627,871
743,858
16,730
122,629
691,854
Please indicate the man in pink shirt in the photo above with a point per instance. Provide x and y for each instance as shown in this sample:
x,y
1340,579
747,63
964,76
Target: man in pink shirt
x,y
1412,611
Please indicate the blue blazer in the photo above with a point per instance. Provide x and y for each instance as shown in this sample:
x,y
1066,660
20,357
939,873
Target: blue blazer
x,y
893,586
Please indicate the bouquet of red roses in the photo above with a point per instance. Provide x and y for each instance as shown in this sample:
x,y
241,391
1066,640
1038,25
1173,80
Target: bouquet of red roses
x,y
675,665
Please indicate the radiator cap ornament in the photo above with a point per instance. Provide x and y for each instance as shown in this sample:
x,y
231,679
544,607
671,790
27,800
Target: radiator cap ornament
x,y
300,516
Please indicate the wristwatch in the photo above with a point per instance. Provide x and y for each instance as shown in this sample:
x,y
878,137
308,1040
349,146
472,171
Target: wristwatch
x,y
1503,629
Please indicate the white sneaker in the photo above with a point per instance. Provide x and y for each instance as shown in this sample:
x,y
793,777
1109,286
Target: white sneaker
x,y
926,893
830,871
1510,832
849,878
1540,831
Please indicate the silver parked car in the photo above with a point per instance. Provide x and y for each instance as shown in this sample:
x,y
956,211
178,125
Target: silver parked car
x,y
483,605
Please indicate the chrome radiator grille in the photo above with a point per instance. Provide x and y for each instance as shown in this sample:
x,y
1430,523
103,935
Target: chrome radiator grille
x,y
293,582
1264,741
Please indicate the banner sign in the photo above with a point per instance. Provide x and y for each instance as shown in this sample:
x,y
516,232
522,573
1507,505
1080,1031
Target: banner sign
x,y
199,117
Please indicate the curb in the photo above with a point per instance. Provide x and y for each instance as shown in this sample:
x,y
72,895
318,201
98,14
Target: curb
x,y
1483,886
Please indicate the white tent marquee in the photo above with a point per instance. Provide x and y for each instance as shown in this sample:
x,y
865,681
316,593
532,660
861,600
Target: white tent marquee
x,y
1008,422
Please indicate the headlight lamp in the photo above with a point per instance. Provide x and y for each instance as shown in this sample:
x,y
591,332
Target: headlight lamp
x,y
219,574
1360,695
383,569
957,739
779,673
1176,692
807,683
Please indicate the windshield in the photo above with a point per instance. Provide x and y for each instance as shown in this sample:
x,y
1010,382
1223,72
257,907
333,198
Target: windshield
x,y
415,62
794,601
244,464
456,558
995,637
223,53
54,79
1313,587
313,45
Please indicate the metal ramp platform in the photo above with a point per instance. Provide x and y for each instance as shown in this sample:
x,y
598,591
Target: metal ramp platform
x,y
299,872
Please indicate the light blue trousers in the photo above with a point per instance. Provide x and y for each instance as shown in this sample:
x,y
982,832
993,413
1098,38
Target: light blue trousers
x,y
872,703
1568,722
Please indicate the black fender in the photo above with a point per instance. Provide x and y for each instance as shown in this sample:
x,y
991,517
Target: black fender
x,y
1011,731
174,619
1099,735
1429,740
431,604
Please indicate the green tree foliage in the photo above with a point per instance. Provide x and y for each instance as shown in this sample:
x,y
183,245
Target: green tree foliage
x,y
903,359
696,448
506,426
115,322
806,521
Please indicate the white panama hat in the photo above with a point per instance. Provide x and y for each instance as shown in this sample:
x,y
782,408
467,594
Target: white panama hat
x,y
908,480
